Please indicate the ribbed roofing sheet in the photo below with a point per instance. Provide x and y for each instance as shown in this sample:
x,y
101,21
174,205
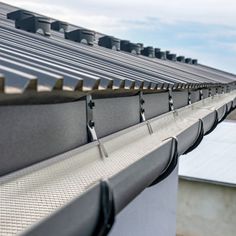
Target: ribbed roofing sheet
x,y
215,158
83,67
71,114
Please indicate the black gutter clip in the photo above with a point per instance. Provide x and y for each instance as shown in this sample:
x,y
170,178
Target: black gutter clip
x,y
107,210
225,115
171,165
198,139
214,124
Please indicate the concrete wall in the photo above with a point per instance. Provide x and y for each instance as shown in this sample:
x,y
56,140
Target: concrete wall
x,y
206,209
152,213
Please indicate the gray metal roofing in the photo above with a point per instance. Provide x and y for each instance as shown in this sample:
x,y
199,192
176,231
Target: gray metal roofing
x,y
215,158
60,150
57,63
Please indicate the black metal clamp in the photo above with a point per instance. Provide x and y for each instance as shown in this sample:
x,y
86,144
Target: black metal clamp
x,y
198,139
173,161
107,210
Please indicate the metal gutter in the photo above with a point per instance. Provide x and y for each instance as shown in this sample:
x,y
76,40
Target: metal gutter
x,y
135,159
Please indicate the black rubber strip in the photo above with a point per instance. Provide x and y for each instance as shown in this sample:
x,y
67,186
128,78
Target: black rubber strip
x,y
199,138
214,124
225,115
231,108
173,163
107,210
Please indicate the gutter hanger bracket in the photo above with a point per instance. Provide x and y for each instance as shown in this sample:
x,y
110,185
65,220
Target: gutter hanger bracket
x,y
92,135
142,112
171,102
210,93
141,105
189,97
201,94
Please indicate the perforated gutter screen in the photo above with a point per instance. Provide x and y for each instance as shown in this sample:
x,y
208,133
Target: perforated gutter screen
x,y
86,125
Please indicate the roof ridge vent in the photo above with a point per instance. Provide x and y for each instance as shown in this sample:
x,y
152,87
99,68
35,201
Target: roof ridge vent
x,y
141,46
35,24
148,51
181,58
171,56
19,14
188,60
161,55
127,46
156,50
109,42
81,35
59,26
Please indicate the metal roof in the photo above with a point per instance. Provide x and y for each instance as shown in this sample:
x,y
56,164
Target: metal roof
x,y
79,67
215,159
73,113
